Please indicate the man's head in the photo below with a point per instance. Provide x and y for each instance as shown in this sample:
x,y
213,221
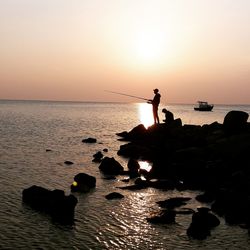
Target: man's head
x,y
156,91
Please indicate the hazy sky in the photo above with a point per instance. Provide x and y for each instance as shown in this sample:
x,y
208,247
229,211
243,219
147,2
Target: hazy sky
x,y
74,50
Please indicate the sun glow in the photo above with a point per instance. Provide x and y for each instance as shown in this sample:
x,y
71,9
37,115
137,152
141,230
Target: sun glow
x,y
149,46
145,114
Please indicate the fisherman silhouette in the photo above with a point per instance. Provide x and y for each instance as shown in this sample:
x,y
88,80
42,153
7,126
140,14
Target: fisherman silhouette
x,y
169,116
155,104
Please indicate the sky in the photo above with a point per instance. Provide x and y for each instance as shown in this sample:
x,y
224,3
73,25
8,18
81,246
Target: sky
x,y
75,50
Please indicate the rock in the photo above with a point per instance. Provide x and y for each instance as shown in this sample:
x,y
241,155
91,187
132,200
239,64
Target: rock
x,y
206,197
68,162
173,202
133,165
133,168
105,150
135,151
114,195
111,166
54,203
163,184
165,217
136,133
97,157
83,183
89,140
233,204
98,154
202,222
235,121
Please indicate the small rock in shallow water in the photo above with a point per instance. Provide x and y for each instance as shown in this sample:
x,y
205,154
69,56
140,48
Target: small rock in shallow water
x,y
114,195
89,140
68,162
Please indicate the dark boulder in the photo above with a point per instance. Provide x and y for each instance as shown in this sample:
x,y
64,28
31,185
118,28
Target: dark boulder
x,y
98,157
173,202
235,121
54,203
233,205
206,197
111,166
164,217
83,183
68,163
135,151
202,222
133,168
89,140
114,195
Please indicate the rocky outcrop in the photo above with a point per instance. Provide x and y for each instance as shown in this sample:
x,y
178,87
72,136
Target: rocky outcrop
x,y
54,203
213,158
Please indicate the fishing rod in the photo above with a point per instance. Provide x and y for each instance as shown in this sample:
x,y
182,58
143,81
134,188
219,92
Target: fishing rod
x,y
118,93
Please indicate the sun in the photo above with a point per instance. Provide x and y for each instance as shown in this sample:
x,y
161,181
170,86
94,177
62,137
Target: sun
x,y
149,46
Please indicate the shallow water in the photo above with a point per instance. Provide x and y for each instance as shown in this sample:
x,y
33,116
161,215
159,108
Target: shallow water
x,y
28,128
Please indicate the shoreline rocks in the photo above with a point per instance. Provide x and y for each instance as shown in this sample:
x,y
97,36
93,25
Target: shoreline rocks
x,y
213,158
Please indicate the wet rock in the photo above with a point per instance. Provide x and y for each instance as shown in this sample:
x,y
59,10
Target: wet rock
x,y
55,203
111,166
173,202
97,157
233,205
202,223
83,183
165,217
163,184
133,168
135,151
206,197
139,183
68,163
89,140
114,195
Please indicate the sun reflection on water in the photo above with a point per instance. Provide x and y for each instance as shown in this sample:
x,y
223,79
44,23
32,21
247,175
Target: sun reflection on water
x,y
144,165
145,114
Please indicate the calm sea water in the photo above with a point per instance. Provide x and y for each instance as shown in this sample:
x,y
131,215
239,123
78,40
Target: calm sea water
x,y
28,128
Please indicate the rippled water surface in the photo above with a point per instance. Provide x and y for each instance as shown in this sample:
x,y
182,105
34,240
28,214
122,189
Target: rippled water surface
x,y
29,128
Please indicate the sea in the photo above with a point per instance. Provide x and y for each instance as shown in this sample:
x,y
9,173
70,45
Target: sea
x,y
37,137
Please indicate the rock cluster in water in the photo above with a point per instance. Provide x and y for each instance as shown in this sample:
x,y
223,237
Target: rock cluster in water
x,y
213,158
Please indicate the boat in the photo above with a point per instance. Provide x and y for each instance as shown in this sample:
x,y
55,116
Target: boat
x,y
203,106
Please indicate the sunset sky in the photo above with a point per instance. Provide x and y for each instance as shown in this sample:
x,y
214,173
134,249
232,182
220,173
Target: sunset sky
x,y
75,50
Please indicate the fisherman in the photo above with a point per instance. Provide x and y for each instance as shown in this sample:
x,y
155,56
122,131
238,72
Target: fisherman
x,y
155,103
169,116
